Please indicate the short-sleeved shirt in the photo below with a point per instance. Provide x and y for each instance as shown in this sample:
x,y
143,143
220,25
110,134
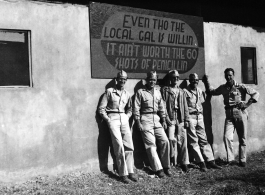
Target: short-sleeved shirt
x,y
235,94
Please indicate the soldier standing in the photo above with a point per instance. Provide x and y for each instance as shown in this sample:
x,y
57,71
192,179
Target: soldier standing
x,y
234,95
196,132
116,109
177,117
148,110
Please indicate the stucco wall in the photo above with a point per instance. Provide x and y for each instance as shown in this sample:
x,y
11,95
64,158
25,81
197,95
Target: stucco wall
x,y
222,50
52,127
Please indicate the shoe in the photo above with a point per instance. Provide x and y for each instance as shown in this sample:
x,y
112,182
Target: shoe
x,y
203,167
231,163
124,179
133,177
242,164
167,172
184,168
212,164
160,174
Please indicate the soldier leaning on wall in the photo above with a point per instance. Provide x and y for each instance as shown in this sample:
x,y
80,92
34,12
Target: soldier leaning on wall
x,y
116,109
234,95
148,110
197,137
177,117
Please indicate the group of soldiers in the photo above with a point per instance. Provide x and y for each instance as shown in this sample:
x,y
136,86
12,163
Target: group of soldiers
x,y
170,119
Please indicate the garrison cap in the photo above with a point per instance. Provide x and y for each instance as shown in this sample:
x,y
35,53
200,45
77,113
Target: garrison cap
x,y
193,75
173,73
151,74
122,74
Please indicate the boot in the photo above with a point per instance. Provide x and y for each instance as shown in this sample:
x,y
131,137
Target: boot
x,y
242,164
124,179
212,164
203,167
231,163
160,173
167,172
133,177
184,168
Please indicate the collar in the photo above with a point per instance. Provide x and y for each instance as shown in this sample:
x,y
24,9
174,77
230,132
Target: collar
x,y
199,91
115,90
189,88
171,91
234,85
152,91
145,88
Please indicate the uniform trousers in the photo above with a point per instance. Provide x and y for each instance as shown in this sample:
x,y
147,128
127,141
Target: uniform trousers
x,y
197,138
153,133
235,120
121,137
177,136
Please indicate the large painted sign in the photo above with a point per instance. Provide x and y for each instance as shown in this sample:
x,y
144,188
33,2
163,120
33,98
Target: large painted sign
x,y
138,41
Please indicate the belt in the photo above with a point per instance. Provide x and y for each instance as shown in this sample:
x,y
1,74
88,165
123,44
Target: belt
x,y
148,112
112,112
231,107
195,113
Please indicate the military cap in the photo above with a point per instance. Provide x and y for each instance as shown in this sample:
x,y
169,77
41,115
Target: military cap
x,y
151,74
193,75
173,73
122,74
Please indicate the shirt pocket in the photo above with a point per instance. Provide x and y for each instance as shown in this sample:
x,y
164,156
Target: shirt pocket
x,y
189,101
146,102
115,101
158,101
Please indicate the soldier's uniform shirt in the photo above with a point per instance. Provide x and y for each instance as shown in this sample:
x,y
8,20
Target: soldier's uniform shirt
x,y
148,108
115,101
197,137
235,117
116,108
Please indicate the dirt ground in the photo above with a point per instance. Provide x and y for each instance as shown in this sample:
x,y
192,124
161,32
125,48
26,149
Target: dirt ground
x,y
230,180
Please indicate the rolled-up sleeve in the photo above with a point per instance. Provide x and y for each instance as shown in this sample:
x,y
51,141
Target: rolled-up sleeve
x,y
252,93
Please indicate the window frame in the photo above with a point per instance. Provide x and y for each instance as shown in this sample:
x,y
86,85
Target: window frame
x,y
254,65
28,41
